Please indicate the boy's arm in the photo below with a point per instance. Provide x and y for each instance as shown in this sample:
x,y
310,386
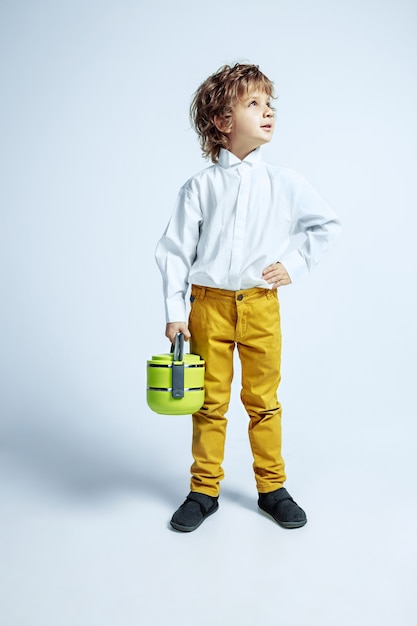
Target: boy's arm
x,y
175,253
317,221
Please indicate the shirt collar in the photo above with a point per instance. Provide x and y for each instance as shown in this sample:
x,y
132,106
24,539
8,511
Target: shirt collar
x,y
228,159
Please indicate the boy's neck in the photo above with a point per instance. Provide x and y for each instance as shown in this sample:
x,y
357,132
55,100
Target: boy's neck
x,y
241,154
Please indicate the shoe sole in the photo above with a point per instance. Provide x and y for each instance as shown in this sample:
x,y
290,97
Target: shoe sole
x,y
299,524
189,529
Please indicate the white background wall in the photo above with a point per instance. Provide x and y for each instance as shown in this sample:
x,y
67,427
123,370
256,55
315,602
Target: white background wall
x,y
95,142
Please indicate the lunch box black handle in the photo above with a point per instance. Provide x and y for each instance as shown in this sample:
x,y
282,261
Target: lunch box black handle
x,y
178,347
178,368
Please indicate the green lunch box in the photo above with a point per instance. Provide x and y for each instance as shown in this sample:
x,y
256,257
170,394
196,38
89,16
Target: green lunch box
x,y
175,381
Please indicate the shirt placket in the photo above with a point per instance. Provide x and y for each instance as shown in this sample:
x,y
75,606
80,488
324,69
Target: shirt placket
x,y
242,206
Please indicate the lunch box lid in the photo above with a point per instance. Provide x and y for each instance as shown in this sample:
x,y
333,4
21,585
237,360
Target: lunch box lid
x,y
167,359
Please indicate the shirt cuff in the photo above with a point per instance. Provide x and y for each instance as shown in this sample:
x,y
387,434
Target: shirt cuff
x,y
175,311
295,265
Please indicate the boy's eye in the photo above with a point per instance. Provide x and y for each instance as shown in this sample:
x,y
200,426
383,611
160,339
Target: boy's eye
x,y
254,103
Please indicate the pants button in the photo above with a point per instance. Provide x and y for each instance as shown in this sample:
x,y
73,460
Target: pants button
x,y
240,297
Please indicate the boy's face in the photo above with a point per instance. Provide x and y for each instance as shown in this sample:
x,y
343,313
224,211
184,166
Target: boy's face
x,y
253,123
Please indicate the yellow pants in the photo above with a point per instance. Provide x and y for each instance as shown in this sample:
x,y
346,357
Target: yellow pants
x,y
219,320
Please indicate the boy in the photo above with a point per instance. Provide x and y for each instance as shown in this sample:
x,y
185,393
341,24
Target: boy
x,y
228,238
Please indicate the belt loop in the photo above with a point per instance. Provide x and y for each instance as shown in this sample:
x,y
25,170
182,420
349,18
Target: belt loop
x,y
199,291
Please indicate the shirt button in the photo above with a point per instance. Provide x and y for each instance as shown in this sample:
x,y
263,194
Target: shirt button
x,y
240,297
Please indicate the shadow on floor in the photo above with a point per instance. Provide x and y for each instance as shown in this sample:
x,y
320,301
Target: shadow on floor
x,y
85,459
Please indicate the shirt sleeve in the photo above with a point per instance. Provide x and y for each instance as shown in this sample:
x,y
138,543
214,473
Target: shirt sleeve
x,y
317,221
176,251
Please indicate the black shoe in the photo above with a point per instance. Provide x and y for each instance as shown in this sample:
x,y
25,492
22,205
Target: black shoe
x,y
282,508
194,511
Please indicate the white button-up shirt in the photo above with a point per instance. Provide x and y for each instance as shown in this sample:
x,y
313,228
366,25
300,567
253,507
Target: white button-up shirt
x,y
235,218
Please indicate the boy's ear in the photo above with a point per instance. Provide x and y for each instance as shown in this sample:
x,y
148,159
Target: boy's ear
x,y
221,124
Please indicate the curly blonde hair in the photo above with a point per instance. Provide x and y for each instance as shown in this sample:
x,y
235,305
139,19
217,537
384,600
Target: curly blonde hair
x,y
215,98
